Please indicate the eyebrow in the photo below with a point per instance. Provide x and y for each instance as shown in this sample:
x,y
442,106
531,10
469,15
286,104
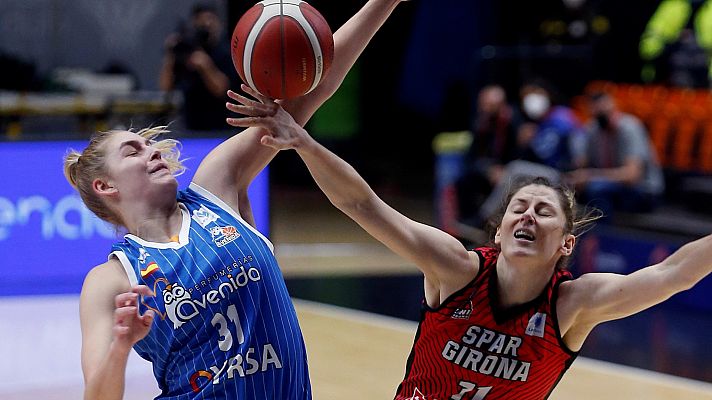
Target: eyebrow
x,y
134,143
542,202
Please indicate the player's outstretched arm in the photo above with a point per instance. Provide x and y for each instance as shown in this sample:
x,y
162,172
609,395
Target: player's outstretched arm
x,y
229,169
110,326
598,297
447,265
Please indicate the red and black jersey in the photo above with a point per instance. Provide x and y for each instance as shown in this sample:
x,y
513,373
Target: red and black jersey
x,y
470,349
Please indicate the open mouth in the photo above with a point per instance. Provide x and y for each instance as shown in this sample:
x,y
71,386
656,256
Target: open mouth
x,y
158,168
524,234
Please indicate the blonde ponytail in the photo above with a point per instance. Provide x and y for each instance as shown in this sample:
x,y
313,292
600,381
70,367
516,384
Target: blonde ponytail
x,y
71,162
80,169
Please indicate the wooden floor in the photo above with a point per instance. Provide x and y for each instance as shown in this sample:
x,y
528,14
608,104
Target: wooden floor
x,y
352,355
356,356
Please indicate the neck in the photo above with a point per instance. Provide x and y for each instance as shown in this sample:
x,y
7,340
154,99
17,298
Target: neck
x,y
157,224
519,283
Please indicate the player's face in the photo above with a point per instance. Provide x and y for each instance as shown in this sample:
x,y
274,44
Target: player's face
x,y
532,229
135,167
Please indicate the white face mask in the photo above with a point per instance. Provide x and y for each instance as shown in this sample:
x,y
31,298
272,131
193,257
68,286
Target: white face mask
x,y
535,105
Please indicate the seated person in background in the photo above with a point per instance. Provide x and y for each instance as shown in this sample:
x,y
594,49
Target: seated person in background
x,y
197,62
618,170
552,134
548,141
493,145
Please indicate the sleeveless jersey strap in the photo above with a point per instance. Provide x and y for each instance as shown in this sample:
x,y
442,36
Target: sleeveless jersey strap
x,y
128,268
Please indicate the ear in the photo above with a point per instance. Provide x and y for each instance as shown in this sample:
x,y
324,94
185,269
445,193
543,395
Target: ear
x,y
103,188
567,245
498,237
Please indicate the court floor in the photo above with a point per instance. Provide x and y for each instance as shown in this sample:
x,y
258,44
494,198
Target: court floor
x,y
352,354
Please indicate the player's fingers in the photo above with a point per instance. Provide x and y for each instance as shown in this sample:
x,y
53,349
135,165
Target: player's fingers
x,y
270,141
276,143
259,96
124,316
252,111
251,107
125,299
246,122
242,99
143,290
121,330
147,317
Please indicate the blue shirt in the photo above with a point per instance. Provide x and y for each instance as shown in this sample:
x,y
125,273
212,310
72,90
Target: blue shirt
x,y
555,142
225,325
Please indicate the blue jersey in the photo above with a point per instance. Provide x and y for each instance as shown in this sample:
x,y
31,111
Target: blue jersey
x,y
225,325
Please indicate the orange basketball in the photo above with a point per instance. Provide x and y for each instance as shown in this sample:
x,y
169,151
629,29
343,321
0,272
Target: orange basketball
x,y
282,48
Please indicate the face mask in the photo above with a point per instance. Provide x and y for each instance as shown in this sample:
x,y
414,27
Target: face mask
x,y
603,121
535,105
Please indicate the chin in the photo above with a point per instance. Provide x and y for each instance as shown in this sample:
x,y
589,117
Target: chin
x,y
523,253
169,180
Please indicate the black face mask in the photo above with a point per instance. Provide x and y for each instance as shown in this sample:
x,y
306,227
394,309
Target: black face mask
x,y
603,121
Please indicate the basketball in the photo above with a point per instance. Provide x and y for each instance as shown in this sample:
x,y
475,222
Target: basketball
x,y
282,48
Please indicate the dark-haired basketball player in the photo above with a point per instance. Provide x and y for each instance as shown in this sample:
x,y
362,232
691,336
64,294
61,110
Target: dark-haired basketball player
x,y
499,322
221,324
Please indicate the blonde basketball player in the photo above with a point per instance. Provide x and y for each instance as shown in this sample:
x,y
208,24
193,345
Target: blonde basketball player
x,y
221,324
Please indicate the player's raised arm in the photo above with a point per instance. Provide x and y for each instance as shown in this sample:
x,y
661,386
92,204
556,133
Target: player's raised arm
x,y
229,169
442,258
598,297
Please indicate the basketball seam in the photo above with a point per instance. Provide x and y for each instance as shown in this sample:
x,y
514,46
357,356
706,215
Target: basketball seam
x,y
291,9
315,44
252,37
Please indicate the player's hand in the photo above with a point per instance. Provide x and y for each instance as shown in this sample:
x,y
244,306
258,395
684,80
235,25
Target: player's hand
x,y
170,43
281,132
129,325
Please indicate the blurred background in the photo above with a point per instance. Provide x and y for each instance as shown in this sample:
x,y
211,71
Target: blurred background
x,y
407,117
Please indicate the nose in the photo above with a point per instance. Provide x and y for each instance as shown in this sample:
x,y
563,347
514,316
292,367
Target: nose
x,y
155,154
528,218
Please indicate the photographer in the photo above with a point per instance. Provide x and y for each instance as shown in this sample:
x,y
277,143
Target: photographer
x,y
197,62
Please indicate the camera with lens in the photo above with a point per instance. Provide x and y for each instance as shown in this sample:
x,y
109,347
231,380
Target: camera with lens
x,y
189,41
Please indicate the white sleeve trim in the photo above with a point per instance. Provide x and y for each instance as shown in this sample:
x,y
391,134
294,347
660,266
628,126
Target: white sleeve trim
x,y
128,268
215,199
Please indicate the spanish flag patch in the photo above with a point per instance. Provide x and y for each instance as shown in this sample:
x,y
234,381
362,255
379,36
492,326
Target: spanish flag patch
x,y
149,270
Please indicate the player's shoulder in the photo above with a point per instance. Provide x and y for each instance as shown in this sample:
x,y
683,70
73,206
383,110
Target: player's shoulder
x,y
578,291
486,254
107,275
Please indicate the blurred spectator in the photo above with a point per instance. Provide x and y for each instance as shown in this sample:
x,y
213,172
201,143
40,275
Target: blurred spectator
x,y
494,130
677,43
618,167
198,63
548,141
551,135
